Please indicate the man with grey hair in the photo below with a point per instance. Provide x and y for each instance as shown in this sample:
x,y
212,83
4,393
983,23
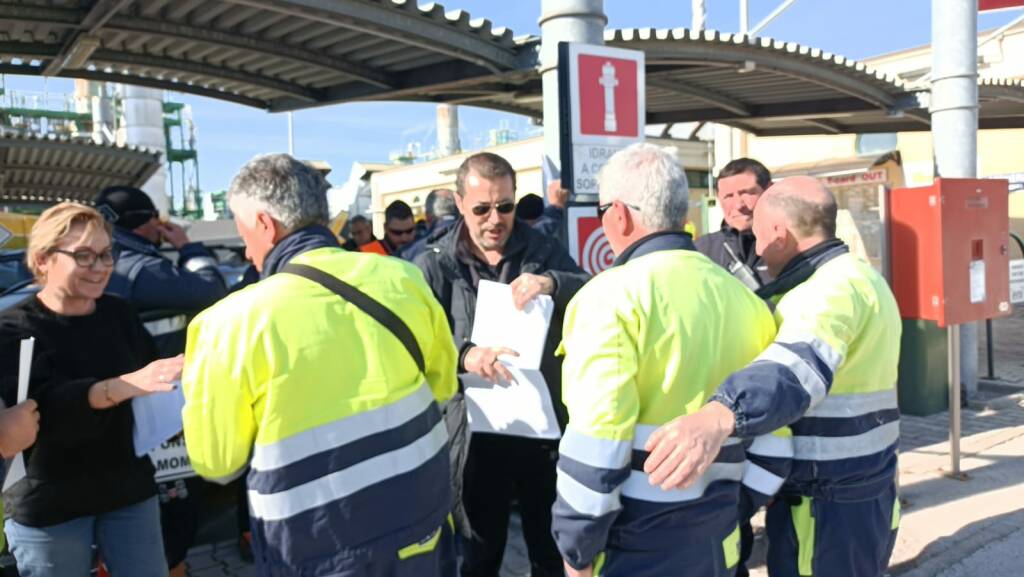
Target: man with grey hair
x,y
643,339
441,212
324,380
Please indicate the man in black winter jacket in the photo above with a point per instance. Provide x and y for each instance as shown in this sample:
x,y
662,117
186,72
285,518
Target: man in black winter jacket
x,y
739,185
489,244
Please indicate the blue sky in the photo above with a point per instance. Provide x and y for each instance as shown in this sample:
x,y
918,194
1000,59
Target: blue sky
x,y
230,134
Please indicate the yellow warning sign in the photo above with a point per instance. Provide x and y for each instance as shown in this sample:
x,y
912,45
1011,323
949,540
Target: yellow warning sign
x,y
14,229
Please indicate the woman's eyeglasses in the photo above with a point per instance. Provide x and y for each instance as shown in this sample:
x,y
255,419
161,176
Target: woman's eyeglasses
x,y
504,207
87,258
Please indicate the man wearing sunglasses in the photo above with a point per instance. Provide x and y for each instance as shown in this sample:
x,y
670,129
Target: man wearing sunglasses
x,y
488,243
399,230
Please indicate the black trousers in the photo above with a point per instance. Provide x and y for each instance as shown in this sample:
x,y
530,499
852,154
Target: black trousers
x,y
501,469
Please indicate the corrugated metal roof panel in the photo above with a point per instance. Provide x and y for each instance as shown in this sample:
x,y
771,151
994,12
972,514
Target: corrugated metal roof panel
x,y
49,169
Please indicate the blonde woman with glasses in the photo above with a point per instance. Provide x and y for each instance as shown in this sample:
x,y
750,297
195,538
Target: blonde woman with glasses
x,y
84,483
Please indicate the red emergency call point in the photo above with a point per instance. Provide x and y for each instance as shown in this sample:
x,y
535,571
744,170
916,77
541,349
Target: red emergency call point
x,y
949,245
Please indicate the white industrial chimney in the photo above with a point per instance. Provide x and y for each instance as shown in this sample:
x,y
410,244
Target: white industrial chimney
x,y
144,126
448,130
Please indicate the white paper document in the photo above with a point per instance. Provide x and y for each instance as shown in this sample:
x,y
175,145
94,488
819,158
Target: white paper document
x,y
16,468
157,418
498,323
521,408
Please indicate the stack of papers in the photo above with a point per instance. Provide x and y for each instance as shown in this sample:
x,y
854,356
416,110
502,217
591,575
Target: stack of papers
x,y
521,408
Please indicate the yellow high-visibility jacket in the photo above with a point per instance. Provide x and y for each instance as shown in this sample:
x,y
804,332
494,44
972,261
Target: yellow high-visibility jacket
x,y
342,434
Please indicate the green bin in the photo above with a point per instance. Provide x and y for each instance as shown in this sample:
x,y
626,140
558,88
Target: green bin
x,y
923,376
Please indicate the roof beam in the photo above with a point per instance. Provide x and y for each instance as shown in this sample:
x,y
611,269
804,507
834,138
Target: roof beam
x,y
400,23
66,170
412,85
58,17
227,40
1011,93
826,125
824,73
82,43
692,90
743,126
212,72
809,109
100,76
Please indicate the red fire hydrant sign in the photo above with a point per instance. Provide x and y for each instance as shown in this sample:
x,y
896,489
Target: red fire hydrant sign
x,y
602,109
984,5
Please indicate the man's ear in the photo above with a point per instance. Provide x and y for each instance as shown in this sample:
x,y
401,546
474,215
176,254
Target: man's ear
x,y
458,202
269,228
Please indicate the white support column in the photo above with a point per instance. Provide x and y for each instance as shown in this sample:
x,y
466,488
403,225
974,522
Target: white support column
x,y
563,21
954,113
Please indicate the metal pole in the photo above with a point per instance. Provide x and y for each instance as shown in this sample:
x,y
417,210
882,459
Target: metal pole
x,y
954,113
954,399
291,135
563,21
988,349
700,14
768,19
744,16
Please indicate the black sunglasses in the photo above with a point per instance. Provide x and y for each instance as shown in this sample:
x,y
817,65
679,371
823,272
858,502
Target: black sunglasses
x,y
404,232
603,208
87,259
503,207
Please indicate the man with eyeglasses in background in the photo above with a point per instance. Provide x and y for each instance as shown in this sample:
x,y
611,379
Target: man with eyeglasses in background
x,y
399,230
151,281
489,244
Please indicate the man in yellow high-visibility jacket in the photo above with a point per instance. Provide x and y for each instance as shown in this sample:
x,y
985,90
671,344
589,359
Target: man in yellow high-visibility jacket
x,y
651,336
831,376
334,415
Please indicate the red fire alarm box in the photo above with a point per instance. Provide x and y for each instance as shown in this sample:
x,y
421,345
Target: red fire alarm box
x,y
949,246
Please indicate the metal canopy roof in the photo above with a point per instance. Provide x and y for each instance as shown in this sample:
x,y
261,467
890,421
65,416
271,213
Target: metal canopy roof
x,y
47,170
764,86
273,54
292,54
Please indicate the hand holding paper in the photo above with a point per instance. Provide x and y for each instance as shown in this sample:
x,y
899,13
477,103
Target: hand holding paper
x,y
483,362
19,426
16,470
522,405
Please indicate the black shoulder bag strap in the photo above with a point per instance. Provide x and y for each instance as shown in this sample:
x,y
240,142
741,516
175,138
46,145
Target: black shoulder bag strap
x,y
365,303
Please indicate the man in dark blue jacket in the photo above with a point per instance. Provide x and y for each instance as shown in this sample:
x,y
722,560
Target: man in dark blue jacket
x,y
441,213
153,282
740,183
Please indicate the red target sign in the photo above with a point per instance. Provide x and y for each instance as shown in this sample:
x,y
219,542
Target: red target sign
x,y
587,243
